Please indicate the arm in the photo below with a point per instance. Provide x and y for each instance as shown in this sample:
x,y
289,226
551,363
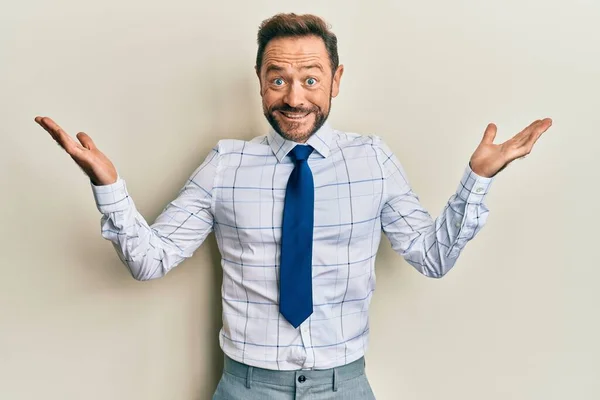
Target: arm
x,y
150,251
431,247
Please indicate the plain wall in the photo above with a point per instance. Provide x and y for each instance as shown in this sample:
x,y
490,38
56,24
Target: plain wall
x,y
157,84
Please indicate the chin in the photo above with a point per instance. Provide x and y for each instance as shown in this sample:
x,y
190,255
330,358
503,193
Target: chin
x,y
296,131
301,133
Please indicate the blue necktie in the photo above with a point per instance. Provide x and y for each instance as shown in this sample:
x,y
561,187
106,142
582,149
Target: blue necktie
x,y
295,286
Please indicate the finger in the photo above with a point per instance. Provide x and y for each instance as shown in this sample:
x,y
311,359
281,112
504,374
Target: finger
x,y
41,121
62,137
50,126
86,141
490,134
535,130
521,138
527,129
535,135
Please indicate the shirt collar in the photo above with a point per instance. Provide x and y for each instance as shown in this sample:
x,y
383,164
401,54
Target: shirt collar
x,y
320,141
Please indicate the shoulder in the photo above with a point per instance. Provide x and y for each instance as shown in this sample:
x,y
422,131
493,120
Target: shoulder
x,y
235,152
229,146
342,139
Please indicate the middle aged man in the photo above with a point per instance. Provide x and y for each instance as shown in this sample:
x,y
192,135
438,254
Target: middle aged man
x,y
297,215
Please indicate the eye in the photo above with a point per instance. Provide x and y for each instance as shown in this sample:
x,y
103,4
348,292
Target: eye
x,y
311,81
278,81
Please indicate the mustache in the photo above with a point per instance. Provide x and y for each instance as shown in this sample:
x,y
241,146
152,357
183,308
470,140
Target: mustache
x,y
298,110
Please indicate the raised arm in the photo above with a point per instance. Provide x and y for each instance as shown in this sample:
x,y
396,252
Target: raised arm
x,y
430,246
149,251
433,246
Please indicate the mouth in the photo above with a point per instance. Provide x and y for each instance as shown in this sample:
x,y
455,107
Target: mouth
x,y
294,116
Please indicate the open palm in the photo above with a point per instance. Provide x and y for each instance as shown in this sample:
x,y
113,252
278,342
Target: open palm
x,y
489,158
92,161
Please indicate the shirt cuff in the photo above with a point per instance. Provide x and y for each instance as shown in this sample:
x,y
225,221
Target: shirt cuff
x,y
473,188
111,198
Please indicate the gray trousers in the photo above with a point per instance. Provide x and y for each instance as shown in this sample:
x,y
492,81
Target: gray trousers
x,y
242,382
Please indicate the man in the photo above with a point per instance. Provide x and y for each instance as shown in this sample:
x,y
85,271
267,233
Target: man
x,y
297,215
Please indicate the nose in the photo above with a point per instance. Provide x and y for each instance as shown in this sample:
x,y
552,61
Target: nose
x,y
294,96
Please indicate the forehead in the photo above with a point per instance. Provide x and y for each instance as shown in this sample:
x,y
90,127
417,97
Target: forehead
x,y
293,52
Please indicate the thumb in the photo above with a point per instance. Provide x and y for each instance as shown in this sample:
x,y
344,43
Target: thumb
x,y
490,134
86,141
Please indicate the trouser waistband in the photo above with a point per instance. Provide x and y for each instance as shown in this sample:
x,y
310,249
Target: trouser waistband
x,y
332,376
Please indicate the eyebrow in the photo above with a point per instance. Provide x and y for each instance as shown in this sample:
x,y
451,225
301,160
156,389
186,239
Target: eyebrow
x,y
318,66
277,68
274,68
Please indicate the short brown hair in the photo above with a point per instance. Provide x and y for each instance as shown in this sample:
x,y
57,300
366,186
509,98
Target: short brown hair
x,y
293,25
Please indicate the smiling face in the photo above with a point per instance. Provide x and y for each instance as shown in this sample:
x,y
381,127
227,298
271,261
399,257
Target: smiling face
x,y
297,85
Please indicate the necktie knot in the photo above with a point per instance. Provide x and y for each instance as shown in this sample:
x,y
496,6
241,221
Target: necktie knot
x,y
301,153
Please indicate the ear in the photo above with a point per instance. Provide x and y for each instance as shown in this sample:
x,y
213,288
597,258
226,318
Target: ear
x,y
337,77
258,76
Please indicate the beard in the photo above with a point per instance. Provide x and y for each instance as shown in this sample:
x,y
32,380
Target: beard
x,y
290,130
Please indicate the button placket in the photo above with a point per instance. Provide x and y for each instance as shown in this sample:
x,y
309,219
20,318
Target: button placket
x,y
305,334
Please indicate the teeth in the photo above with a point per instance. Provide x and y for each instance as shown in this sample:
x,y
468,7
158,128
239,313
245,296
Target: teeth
x,y
298,116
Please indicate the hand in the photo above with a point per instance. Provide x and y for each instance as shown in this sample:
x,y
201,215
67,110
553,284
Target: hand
x,y
489,158
91,160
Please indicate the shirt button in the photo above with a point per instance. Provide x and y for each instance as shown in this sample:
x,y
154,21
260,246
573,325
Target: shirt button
x,y
479,190
457,224
301,379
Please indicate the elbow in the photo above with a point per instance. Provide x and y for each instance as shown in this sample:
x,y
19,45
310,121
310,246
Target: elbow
x,y
435,274
136,272
439,270
428,270
438,267
143,276
432,273
145,272
436,270
140,277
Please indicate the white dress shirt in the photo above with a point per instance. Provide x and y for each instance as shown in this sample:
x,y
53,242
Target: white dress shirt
x,y
238,192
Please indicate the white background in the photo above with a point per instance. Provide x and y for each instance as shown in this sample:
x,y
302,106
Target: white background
x,y
156,85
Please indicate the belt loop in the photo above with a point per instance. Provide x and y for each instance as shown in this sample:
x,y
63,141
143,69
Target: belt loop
x,y
249,376
335,379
